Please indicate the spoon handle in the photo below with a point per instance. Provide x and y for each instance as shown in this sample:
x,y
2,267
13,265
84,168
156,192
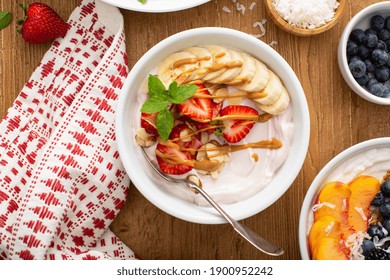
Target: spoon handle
x,y
252,237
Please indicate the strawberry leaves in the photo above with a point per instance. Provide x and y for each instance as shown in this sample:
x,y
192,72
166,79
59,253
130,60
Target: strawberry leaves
x,y
5,19
160,100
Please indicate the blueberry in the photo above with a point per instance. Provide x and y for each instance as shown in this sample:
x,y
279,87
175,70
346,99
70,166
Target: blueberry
x,y
384,210
379,57
386,225
377,22
369,66
386,92
363,51
381,45
378,200
371,41
382,74
387,23
367,246
371,31
384,34
376,89
371,82
353,58
363,80
352,48
385,188
358,36
358,68
376,230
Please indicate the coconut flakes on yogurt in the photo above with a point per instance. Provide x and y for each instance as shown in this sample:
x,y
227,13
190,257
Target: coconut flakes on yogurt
x,y
322,204
308,14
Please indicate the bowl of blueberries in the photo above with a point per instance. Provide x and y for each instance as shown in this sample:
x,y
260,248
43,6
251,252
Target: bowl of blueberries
x,y
364,53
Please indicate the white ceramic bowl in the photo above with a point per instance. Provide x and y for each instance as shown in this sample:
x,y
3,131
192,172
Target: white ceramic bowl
x,y
360,20
132,157
349,162
156,6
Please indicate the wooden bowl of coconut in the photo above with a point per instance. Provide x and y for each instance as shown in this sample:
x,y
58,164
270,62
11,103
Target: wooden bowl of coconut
x,y
305,18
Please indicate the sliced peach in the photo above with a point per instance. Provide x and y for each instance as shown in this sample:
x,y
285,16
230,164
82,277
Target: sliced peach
x,y
335,195
330,249
363,191
325,227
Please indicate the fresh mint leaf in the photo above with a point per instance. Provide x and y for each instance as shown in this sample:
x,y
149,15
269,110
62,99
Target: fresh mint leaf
x,y
142,1
155,104
164,123
177,94
5,19
155,86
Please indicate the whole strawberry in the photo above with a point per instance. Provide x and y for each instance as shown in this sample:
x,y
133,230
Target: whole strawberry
x,y
41,24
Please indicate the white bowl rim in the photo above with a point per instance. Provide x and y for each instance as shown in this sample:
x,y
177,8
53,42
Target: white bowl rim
x,y
315,186
213,217
342,54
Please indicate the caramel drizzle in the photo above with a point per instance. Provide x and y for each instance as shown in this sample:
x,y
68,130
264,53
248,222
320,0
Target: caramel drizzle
x,y
252,95
185,61
210,165
251,119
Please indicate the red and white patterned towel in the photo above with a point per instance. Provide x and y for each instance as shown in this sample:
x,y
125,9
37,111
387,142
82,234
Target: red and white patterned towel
x,y
61,179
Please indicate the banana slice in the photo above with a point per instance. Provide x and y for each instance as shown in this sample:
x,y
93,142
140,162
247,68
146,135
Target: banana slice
x,y
233,69
247,72
205,61
259,80
279,106
273,90
221,56
179,66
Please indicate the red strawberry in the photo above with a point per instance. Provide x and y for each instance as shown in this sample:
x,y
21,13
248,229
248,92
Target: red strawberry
x,y
198,109
192,142
216,109
148,121
172,163
42,24
236,129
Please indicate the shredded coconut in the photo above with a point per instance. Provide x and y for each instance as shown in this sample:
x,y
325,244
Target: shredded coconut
x,y
354,243
361,212
240,8
380,243
252,6
320,205
260,25
329,228
226,9
308,14
273,43
344,206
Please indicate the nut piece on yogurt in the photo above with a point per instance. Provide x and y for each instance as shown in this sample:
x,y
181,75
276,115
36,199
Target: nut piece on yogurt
x,y
144,139
210,160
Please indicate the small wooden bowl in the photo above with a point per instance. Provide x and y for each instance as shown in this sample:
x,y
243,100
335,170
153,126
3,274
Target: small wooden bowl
x,y
279,21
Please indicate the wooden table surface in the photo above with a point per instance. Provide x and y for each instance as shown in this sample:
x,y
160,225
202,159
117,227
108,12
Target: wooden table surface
x,y
339,119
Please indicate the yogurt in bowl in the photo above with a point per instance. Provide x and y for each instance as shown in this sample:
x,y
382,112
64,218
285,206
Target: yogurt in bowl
x,y
245,186
367,163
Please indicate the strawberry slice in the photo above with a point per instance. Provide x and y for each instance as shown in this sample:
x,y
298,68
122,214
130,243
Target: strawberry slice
x,y
192,142
173,161
236,129
198,109
148,121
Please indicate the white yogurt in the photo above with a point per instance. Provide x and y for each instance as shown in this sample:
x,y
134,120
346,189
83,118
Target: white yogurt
x,y
242,177
374,162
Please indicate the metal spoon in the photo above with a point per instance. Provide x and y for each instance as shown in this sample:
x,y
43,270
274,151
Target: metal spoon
x,y
252,237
